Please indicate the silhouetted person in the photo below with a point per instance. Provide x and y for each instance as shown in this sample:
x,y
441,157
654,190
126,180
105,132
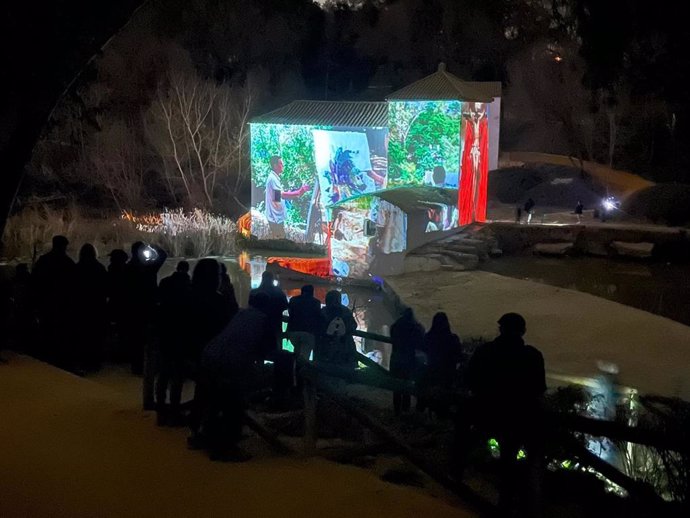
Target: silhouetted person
x,y
53,280
229,366
227,289
91,289
174,294
141,282
21,309
337,344
209,313
407,335
443,351
305,323
278,303
529,209
579,208
117,296
518,215
507,381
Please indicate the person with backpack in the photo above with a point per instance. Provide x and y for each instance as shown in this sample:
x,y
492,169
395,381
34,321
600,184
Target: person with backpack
x,y
337,345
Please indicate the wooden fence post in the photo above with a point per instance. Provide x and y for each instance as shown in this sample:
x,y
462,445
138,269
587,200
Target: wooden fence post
x,y
310,434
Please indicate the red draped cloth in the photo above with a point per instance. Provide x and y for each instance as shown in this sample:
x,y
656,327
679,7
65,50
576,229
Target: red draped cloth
x,y
482,184
465,193
472,195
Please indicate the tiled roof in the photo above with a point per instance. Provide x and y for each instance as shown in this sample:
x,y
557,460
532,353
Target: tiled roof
x,y
329,113
440,85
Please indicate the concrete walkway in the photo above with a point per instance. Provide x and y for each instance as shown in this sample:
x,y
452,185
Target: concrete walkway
x,y
74,448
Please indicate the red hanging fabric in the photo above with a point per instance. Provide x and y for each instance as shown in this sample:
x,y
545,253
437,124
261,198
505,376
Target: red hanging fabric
x,y
465,193
480,209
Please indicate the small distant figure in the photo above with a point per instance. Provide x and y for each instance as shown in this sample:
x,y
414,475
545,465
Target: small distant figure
x,y
507,381
278,302
518,215
90,308
305,322
53,280
407,335
444,353
337,344
579,208
529,209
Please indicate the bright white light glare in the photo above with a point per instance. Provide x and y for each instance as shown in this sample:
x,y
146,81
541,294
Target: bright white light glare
x,y
275,283
609,204
147,254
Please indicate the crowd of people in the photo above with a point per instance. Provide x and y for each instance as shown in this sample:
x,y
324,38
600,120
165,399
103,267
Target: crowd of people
x,y
62,311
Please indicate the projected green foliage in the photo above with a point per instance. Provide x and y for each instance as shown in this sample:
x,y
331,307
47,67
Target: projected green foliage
x,y
295,145
423,134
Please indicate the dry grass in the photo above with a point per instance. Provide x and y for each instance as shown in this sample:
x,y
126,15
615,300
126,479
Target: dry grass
x,y
189,234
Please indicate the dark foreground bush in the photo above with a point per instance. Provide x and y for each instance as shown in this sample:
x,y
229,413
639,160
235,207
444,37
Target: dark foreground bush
x,y
667,204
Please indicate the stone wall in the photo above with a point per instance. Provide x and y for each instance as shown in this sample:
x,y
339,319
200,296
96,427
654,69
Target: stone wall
x,y
669,244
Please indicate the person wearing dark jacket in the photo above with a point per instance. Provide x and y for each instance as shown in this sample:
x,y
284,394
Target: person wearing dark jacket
x,y
277,303
117,297
443,351
305,322
53,282
229,365
507,381
173,310
141,285
208,314
407,335
227,289
337,344
91,291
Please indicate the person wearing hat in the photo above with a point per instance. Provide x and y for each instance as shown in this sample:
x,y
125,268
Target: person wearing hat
x,y
507,380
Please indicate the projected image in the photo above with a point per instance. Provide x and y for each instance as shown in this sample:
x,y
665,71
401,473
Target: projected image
x,y
472,195
424,146
350,163
364,230
441,217
297,171
285,194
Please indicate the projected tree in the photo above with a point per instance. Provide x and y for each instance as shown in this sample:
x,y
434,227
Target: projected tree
x,y
423,135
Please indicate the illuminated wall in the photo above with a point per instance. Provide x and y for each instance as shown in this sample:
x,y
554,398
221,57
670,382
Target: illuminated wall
x,y
298,170
424,146
366,232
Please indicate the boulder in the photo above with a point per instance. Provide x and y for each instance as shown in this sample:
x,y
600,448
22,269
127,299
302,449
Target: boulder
x,y
414,263
639,250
